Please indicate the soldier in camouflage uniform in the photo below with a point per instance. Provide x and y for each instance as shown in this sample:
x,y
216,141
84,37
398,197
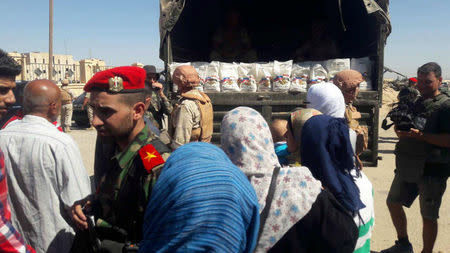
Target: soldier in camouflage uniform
x,y
348,81
192,116
128,160
160,105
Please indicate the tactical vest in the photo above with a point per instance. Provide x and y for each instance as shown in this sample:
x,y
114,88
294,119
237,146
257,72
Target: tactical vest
x,y
362,138
66,98
205,131
436,155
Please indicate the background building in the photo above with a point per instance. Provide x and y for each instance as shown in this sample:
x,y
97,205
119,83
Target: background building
x,y
35,66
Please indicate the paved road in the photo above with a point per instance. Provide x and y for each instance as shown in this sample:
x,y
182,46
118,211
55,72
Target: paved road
x,y
86,142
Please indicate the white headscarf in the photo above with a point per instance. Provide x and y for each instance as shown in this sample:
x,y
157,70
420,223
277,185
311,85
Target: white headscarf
x,y
326,98
247,140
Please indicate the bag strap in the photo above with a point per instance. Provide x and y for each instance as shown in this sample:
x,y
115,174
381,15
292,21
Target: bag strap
x,y
269,198
385,125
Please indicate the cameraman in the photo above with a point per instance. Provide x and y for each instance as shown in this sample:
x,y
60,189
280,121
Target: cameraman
x,y
423,162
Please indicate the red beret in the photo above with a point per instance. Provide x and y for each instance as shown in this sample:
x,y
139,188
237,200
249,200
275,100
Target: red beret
x,y
413,79
118,80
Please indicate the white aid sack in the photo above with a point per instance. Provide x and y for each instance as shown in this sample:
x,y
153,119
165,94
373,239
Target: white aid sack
x,y
201,68
318,74
299,77
282,76
212,81
228,77
172,68
364,66
335,66
246,80
264,76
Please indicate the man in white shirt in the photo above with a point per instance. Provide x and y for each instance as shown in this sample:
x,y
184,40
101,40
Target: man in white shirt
x,y
45,171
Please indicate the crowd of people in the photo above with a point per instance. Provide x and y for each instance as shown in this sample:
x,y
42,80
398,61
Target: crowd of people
x,y
294,185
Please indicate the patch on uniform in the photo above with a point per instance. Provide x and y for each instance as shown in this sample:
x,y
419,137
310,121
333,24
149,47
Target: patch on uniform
x,y
150,157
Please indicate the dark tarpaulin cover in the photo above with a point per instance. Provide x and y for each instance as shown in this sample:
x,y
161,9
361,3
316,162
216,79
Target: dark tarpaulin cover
x,y
274,30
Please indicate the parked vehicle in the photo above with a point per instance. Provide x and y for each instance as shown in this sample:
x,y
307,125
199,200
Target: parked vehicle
x,y
278,30
80,115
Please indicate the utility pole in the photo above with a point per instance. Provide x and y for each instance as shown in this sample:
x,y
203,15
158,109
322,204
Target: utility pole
x,y
50,42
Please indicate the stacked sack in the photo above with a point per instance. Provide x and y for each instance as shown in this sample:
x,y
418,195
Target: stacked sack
x,y
273,76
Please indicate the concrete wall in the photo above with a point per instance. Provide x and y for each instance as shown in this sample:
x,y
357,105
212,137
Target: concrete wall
x,y
88,67
35,66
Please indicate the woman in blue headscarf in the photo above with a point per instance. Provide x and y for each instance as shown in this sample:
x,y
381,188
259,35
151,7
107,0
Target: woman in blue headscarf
x,y
329,100
201,203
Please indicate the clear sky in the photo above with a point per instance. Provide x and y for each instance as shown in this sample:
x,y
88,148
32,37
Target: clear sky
x,y
122,32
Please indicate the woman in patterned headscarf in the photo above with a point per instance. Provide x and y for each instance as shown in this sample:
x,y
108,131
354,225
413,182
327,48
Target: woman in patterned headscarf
x,y
296,214
350,186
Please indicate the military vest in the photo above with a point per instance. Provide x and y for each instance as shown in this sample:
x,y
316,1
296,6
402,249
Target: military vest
x,y
415,158
362,139
66,98
205,131
437,157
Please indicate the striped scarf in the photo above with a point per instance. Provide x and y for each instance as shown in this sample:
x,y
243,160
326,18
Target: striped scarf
x,y
201,203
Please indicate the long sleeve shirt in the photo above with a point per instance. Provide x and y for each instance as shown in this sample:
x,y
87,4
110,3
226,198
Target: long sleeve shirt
x,y
158,109
46,176
185,118
10,240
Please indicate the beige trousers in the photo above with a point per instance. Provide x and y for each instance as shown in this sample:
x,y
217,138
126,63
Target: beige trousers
x,y
66,116
90,114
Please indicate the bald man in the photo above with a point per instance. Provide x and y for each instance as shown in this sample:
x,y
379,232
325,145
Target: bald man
x,y
348,81
192,116
45,171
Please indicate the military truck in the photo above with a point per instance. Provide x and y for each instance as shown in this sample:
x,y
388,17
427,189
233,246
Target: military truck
x,y
301,30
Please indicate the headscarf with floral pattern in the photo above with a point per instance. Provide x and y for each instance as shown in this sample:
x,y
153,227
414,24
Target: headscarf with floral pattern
x,y
247,141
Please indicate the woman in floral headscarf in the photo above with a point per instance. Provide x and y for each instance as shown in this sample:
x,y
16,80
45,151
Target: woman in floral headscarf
x,y
325,147
296,214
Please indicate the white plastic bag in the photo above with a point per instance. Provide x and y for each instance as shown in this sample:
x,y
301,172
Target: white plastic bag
x,y
364,86
201,68
246,80
318,74
335,66
364,66
282,76
300,77
264,76
172,68
228,77
212,81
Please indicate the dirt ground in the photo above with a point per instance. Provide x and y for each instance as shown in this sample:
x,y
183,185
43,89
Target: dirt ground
x,y
381,177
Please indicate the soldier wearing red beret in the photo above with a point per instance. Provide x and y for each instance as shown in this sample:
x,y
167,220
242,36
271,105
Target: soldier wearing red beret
x,y
412,82
128,159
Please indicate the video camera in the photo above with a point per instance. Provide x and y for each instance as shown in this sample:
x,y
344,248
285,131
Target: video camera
x,y
404,114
